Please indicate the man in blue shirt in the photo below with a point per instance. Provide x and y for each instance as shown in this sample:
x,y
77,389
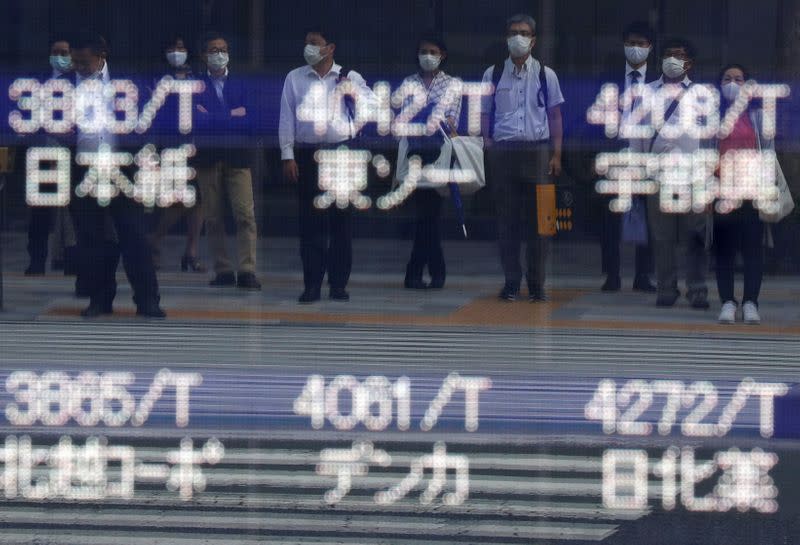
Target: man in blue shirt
x,y
522,131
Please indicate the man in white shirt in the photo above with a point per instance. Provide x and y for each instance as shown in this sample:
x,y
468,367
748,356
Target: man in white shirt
x,y
522,131
101,254
669,229
325,234
637,41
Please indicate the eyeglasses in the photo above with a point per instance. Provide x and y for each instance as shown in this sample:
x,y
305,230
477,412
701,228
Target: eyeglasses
x,y
217,50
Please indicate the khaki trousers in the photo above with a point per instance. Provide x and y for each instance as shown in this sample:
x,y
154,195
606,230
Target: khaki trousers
x,y
216,182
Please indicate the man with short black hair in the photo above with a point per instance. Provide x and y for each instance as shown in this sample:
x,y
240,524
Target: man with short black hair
x,y
668,228
637,39
522,131
100,252
325,233
224,169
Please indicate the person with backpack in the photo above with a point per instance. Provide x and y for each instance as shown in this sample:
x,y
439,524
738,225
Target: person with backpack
x,y
522,130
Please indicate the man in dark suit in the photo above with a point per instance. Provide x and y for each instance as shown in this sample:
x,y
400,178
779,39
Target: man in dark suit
x,y
42,218
223,115
638,41
100,252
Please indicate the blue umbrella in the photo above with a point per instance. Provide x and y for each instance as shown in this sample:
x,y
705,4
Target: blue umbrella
x,y
455,195
455,192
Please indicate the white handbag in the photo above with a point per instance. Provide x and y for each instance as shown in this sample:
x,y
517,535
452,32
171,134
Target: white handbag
x,y
442,162
785,199
468,151
460,156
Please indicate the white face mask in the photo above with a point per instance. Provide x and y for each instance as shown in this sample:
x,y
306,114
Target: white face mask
x,y
177,58
731,90
672,67
61,63
519,46
429,63
312,55
217,61
636,55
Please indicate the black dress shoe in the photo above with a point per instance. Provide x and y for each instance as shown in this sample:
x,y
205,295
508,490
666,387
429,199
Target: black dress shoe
x,y
339,294
248,281
644,284
223,279
414,284
309,296
436,283
611,284
508,293
150,310
95,309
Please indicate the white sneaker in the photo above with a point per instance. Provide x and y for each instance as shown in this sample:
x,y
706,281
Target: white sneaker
x,y
750,313
728,313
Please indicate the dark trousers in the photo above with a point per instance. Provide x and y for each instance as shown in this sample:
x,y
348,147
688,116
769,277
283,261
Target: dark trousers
x,y
667,232
513,173
39,227
740,230
427,248
610,238
325,233
99,253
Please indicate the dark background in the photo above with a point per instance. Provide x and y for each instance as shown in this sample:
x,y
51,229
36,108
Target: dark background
x,y
575,36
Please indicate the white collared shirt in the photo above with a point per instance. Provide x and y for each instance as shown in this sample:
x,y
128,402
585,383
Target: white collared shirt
x,y
92,103
102,75
685,143
298,83
518,116
630,69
